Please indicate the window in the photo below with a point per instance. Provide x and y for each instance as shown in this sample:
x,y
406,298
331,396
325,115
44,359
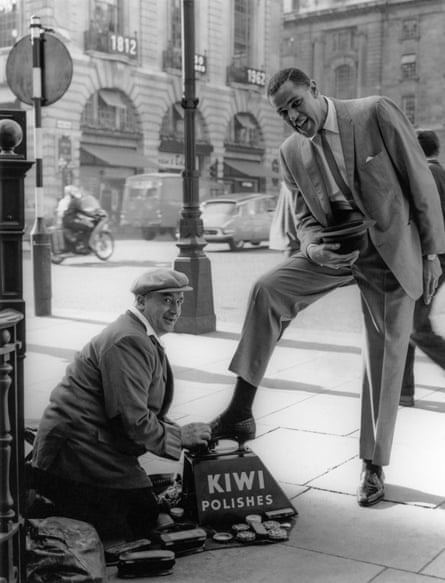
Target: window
x,y
8,23
409,29
172,126
244,130
110,110
409,107
344,82
107,15
109,29
409,66
342,41
176,25
242,31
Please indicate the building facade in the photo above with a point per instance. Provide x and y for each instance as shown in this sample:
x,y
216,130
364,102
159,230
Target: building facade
x,y
122,112
355,48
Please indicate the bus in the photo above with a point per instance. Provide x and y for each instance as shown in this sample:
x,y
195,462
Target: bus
x,y
153,202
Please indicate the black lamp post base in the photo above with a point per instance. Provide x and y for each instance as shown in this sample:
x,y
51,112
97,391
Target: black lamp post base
x,y
198,315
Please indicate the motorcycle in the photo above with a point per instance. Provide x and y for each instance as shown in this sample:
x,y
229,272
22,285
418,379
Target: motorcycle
x,y
99,240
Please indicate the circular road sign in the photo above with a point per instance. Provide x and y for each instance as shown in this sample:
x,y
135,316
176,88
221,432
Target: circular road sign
x,y
57,69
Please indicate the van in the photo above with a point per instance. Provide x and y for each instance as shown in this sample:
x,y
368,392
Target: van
x,y
153,202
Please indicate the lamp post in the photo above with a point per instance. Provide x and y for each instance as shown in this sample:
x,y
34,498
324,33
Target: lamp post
x,y
198,314
40,239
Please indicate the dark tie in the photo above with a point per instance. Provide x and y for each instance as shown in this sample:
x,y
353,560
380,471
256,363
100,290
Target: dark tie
x,y
333,167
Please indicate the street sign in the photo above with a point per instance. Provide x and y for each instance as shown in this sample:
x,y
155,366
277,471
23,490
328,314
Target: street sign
x,y
57,69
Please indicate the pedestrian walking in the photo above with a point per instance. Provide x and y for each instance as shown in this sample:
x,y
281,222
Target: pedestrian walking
x,y
423,335
346,160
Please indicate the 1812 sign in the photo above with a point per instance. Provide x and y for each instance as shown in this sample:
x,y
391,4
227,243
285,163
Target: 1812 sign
x,y
256,77
124,45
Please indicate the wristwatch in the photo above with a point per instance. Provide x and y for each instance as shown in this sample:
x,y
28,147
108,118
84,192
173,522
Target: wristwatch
x,y
430,257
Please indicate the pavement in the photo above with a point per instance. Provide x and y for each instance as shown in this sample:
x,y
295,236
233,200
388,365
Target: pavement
x,y
307,412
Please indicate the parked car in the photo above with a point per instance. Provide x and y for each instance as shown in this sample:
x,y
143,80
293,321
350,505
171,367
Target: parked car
x,y
237,219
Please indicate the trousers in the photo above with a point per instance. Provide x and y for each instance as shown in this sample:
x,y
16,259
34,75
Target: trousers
x,y
113,512
280,294
424,337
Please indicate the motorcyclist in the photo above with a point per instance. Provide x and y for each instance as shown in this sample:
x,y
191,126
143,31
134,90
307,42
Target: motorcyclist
x,y
76,220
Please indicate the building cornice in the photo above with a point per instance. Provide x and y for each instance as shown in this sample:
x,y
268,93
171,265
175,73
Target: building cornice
x,y
355,9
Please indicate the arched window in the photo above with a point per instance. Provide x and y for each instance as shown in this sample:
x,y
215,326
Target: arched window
x,y
344,82
110,109
172,126
244,130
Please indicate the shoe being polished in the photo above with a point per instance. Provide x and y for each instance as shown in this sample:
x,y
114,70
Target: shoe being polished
x,y
371,489
240,431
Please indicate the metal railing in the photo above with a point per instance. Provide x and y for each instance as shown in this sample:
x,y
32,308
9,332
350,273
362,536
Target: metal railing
x,y
12,535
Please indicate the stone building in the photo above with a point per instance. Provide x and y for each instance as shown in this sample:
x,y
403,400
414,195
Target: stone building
x,y
355,48
122,112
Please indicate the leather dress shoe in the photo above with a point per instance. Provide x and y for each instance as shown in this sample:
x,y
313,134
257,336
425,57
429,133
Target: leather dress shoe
x,y
240,431
371,489
406,401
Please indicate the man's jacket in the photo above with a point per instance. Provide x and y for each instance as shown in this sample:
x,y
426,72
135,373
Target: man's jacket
x,y
109,409
390,182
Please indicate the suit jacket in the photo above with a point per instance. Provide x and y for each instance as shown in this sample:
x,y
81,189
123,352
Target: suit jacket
x,y
109,409
438,172
390,183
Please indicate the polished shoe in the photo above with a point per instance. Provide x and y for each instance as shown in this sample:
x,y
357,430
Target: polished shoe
x,y
240,431
371,489
406,401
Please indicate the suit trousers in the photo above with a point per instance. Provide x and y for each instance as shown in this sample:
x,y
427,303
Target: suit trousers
x,y
424,337
280,294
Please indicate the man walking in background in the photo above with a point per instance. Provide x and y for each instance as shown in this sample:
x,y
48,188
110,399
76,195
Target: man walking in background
x,y
423,335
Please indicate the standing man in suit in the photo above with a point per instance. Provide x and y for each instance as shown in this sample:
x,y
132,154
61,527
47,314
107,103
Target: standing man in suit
x,y
423,335
346,160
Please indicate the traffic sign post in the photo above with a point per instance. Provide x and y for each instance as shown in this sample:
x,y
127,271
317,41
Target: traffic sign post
x,y
39,71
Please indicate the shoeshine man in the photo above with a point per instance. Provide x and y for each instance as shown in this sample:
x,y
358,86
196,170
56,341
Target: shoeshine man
x,y
346,160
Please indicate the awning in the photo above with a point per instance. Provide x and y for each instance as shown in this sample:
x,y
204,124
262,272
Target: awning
x,y
245,168
114,156
246,121
112,98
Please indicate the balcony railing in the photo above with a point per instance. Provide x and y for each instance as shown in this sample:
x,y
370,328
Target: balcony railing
x,y
172,59
237,73
111,43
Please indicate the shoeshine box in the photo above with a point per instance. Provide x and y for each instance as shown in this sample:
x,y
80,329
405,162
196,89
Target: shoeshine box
x,y
222,488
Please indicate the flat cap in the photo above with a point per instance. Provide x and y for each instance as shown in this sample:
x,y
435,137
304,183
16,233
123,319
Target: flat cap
x,y
161,280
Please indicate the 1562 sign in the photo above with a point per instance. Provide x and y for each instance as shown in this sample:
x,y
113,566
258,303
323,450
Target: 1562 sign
x,y
256,77
123,45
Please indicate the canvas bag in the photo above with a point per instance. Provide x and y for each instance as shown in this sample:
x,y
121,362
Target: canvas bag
x,y
63,550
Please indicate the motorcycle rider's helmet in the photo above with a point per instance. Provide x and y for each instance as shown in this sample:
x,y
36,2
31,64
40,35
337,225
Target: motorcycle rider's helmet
x,y
73,191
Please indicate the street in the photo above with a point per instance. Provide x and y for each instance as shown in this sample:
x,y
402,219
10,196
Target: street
x,y
86,283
